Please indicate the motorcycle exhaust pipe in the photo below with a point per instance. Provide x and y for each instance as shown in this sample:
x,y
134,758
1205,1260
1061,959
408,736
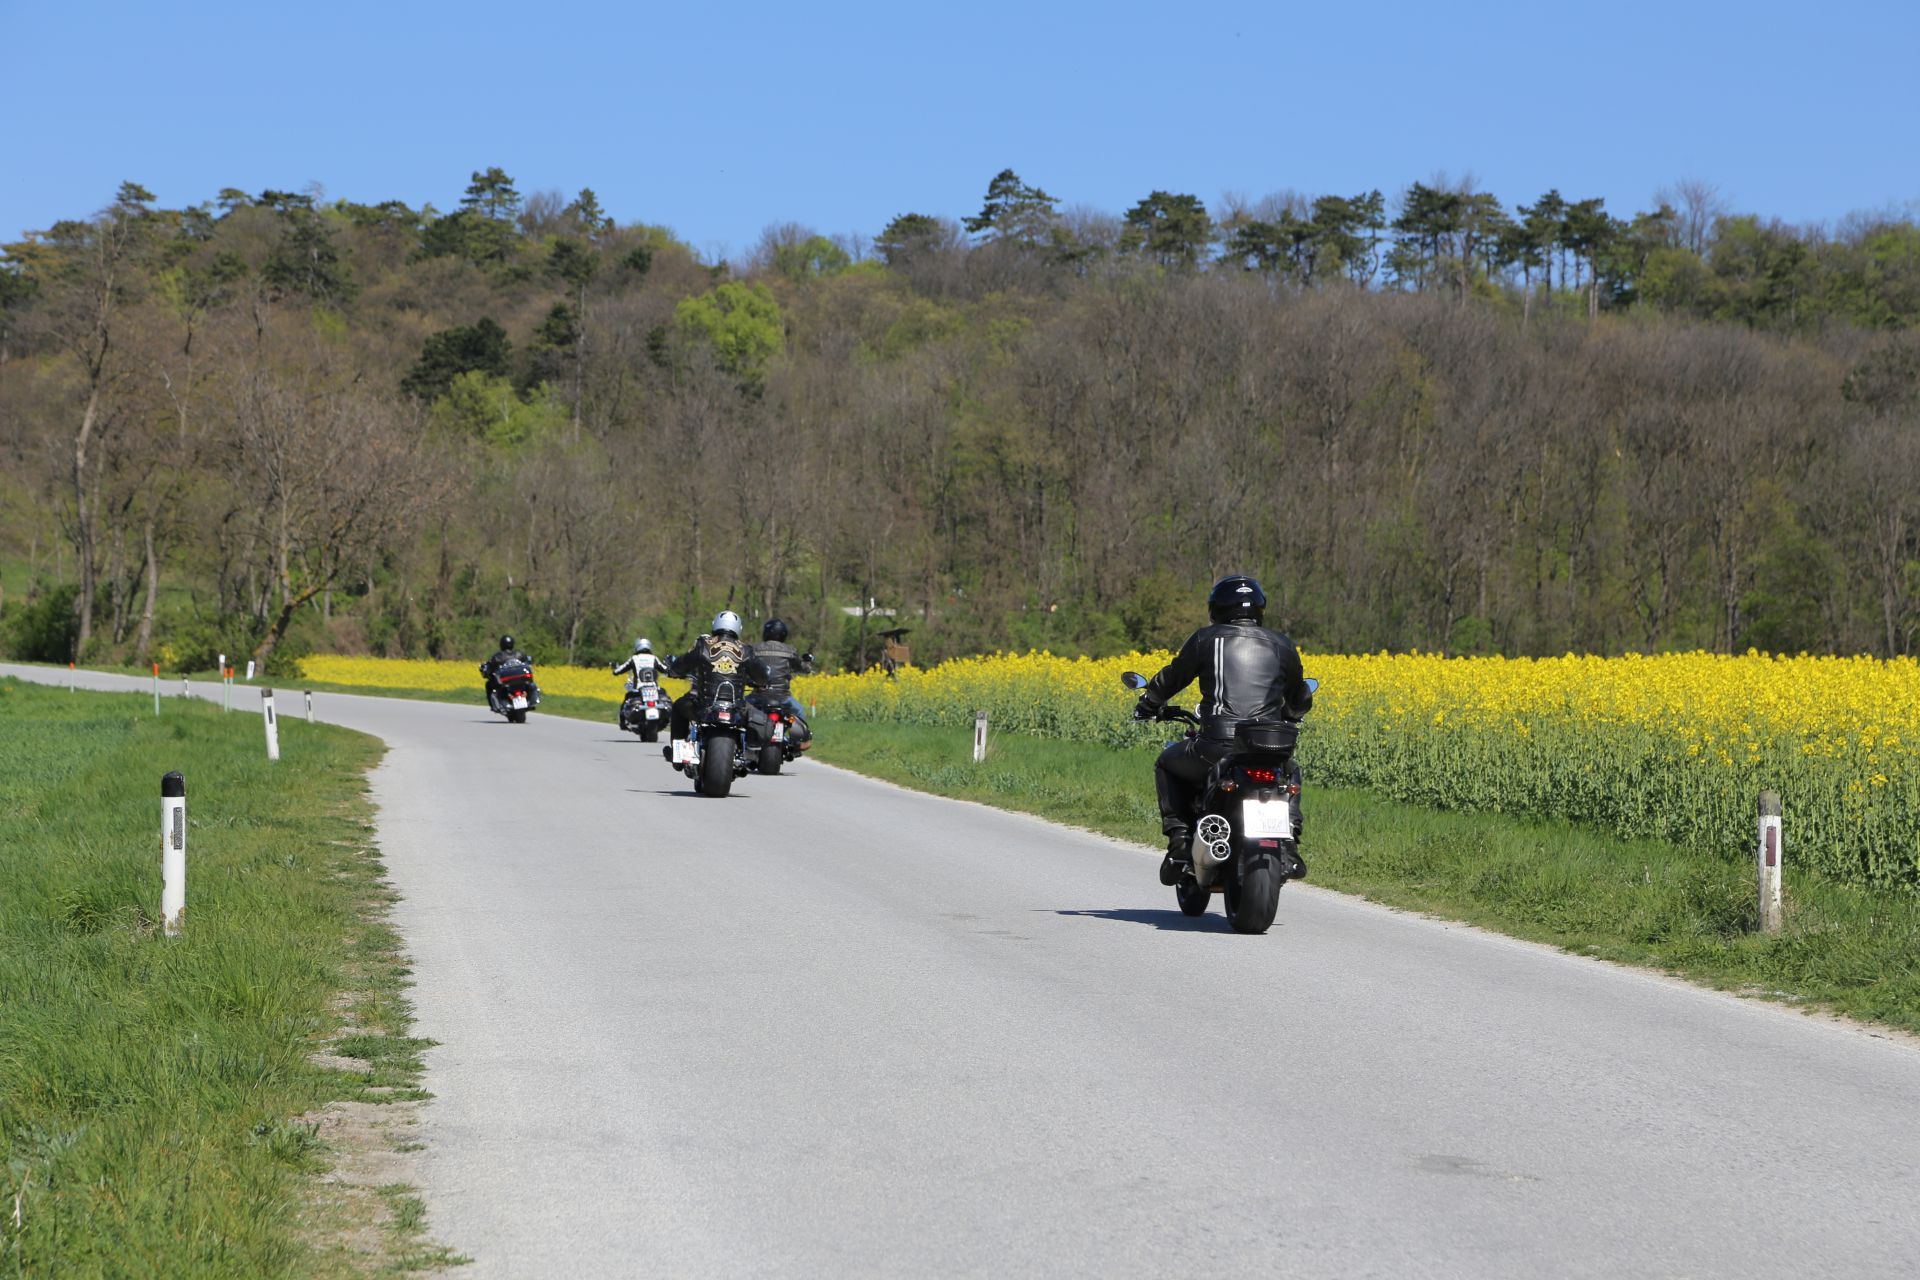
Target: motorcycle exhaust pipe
x,y
1212,846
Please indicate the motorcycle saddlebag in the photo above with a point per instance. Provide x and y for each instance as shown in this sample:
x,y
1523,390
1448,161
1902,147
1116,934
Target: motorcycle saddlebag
x,y
1267,737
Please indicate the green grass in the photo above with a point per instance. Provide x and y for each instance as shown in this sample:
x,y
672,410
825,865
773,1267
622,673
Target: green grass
x,y
151,1088
1847,949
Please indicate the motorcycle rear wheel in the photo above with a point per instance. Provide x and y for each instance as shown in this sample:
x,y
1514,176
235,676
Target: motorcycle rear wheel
x,y
516,717
771,757
650,731
716,766
1253,896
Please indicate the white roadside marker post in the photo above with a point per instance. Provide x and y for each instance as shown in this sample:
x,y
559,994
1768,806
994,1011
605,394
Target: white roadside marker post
x,y
186,690
173,853
1768,858
70,684
249,670
156,688
979,736
309,694
272,722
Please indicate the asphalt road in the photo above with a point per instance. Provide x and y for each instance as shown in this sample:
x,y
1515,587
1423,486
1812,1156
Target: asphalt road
x,y
828,1027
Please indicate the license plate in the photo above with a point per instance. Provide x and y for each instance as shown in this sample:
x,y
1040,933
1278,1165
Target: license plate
x,y
519,702
1269,818
653,713
779,733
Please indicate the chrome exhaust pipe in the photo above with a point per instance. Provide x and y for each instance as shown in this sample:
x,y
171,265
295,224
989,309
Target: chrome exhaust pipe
x,y
1212,847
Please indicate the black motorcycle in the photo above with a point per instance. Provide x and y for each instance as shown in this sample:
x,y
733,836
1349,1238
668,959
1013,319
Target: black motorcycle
x,y
781,743
644,710
1242,822
512,692
721,738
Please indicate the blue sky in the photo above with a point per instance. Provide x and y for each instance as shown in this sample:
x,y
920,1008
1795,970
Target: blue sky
x,y
717,120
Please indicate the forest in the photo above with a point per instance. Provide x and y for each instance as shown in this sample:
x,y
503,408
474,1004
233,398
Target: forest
x,y
277,423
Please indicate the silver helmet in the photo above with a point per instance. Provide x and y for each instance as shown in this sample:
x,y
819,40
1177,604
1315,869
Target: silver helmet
x,y
643,645
728,621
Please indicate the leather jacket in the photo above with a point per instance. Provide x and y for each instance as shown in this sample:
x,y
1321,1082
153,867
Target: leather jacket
x,y
1246,672
645,669
711,664
775,664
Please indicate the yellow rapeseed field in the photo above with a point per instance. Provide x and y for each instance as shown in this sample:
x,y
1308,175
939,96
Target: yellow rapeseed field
x,y
1675,746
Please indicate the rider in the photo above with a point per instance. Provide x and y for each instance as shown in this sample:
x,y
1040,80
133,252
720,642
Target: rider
x,y
715,658
775,663
1246,672
492,665
642,666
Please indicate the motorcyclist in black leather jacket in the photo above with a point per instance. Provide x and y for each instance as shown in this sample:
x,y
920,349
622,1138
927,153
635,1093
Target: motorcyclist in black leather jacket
x,y
774,665
1246,672
716,657
492,665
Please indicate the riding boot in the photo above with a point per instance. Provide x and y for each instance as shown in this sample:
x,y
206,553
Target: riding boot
x,y
1179,859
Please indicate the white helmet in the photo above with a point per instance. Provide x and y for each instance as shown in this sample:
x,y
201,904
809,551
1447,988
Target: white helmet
x,y
728,621
643,645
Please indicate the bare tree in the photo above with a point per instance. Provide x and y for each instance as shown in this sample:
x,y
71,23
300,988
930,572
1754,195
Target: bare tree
x,y
1700,206
330,481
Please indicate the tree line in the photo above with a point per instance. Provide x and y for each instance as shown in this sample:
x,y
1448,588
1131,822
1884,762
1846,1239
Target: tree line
x,y
275,423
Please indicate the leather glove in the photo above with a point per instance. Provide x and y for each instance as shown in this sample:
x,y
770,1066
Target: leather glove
x,y
1145,709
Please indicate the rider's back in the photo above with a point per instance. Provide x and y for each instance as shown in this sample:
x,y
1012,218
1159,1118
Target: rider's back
x,y
1246,672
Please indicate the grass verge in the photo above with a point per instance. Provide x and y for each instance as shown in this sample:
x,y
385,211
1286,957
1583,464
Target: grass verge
x,y
159,1096
1847,949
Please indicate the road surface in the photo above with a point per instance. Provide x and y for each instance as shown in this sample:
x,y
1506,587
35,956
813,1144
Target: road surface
x,y
828,1027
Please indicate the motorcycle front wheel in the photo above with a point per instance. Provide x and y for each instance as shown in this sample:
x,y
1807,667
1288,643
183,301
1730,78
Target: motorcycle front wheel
x,y
716,766
1253,896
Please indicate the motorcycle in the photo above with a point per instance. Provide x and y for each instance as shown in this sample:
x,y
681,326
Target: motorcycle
x,y
721,739
782,743
1243,839
513,692
644,710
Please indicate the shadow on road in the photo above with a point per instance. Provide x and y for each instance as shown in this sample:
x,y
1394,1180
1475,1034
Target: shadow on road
x,y
1170,920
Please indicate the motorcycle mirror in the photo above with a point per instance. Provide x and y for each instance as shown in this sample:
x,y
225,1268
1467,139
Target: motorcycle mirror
x,y
1133,680
1313,686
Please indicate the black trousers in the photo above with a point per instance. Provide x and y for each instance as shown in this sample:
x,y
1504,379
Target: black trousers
x,y
1181,772
682,715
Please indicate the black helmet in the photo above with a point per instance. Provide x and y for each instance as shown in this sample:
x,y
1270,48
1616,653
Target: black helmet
x,y
1236,596
774,630
506,642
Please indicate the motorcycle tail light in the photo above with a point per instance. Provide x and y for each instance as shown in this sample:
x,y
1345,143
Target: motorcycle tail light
x,y
1260,775
726,715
